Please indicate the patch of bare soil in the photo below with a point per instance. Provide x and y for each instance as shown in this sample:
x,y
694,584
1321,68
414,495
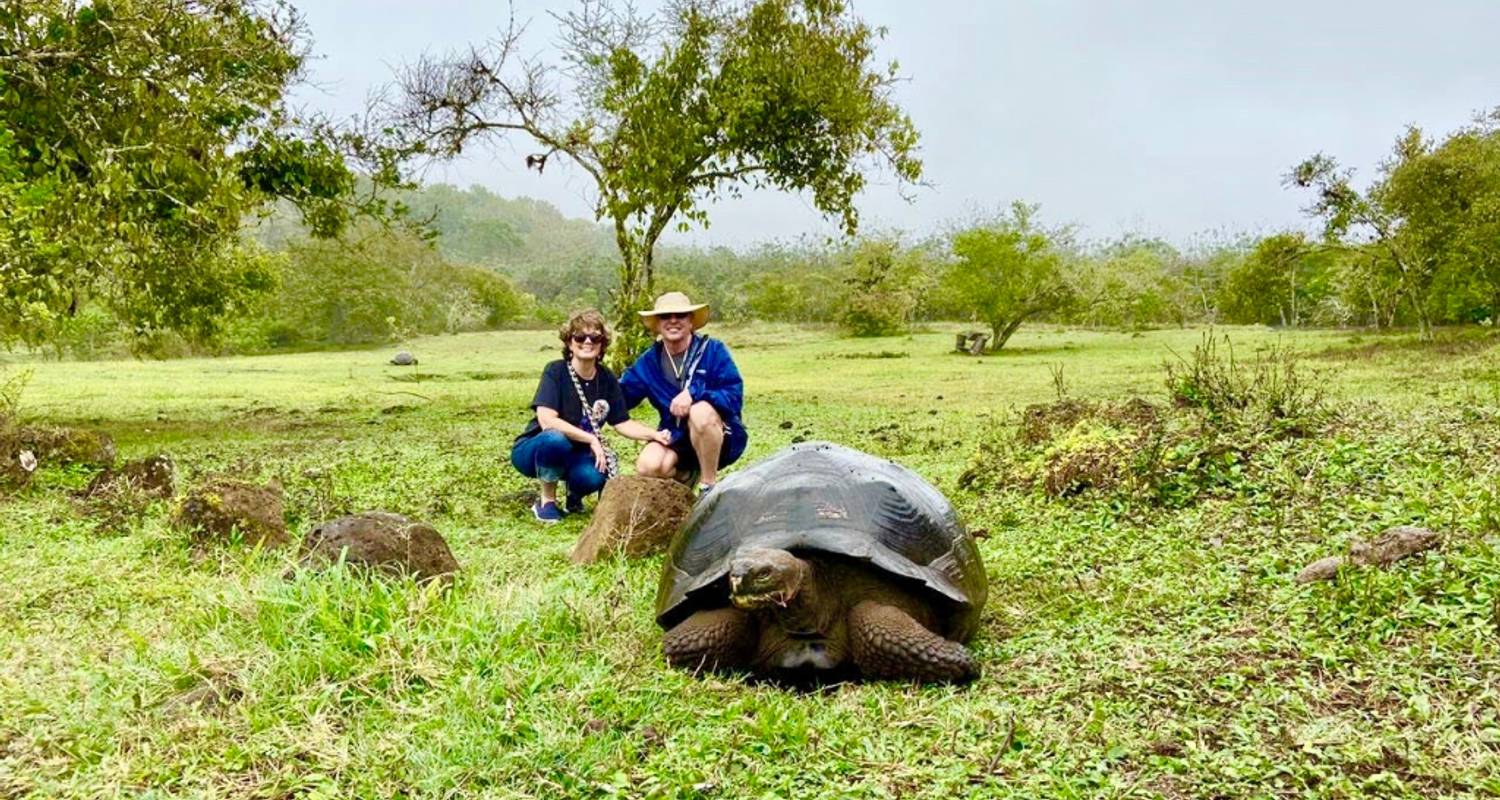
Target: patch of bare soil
x,y
636,515
223,509
382,541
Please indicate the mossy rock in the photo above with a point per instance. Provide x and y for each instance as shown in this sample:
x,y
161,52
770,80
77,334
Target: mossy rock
x,y
24,450
118,495
381,541
17,466
223,510
68,446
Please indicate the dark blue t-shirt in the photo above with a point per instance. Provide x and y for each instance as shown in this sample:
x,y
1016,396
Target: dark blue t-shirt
x,y
555,391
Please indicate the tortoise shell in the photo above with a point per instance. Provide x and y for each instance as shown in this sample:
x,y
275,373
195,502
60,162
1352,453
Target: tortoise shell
x,y
818,497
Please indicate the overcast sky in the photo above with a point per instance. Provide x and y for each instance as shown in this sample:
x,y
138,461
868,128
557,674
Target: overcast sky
x,y
1163,117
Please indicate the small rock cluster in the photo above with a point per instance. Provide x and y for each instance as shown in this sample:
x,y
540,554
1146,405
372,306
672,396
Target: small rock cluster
x,y
222,510
1392,545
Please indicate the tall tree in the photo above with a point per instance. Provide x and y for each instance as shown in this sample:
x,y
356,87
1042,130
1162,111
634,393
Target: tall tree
x,y
667,113
135,135
1376,217
1008,271
1277,281
1448,197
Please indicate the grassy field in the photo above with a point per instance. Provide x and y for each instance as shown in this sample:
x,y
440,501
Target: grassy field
x,y
1131,648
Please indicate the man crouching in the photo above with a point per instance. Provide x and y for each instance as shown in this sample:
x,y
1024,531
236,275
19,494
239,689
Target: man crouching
x,y
693,384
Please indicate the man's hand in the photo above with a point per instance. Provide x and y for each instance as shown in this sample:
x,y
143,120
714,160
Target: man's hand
x,y
600,462
681,404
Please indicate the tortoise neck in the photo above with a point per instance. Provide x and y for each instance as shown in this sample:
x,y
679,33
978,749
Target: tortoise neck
x,y
806,613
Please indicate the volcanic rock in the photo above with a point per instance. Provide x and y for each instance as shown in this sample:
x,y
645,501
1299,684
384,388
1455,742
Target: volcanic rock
x,y
152,477
223,509
380,540
637,515
1392,545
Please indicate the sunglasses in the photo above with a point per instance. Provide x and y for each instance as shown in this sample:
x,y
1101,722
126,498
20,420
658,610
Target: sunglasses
x,y
673,315
591,338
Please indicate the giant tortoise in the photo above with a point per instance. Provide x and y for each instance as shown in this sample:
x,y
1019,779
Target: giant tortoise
x,y
823,558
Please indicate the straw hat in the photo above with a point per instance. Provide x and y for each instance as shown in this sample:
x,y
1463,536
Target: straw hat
x,y
675,303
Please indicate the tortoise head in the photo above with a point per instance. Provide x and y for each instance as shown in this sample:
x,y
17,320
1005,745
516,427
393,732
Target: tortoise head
x,y
763,578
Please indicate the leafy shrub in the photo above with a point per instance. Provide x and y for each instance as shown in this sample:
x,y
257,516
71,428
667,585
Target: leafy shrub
x,y
1271,389
91,333
12,385
1223,416
882,288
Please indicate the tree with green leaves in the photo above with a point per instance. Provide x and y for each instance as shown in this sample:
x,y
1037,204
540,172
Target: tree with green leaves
x,y
135,136
1427,212
666,113
1129,283
883,286
1278,282
1447,196
1008,271
375,283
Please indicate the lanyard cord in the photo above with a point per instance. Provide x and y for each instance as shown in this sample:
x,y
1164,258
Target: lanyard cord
x,y
690,361
596,414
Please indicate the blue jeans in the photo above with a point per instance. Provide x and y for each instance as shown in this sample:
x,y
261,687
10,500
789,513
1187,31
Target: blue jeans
x,y
551,456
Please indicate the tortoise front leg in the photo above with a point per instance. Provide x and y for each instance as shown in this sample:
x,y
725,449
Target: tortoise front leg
x,y
888,643
718,639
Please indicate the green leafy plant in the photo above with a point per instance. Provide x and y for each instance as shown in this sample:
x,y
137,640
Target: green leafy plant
x,y
1006,272
134,139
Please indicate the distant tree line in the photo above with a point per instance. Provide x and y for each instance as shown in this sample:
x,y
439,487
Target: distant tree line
x,y
159,194
1418,247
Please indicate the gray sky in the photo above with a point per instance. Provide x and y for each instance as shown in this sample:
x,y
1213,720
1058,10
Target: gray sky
x,y
1163,117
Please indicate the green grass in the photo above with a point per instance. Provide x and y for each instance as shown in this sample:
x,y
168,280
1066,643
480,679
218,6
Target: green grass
x,y
1129,650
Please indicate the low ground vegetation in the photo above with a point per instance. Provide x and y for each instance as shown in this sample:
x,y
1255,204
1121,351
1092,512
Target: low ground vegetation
x,y
1220,423
1144,639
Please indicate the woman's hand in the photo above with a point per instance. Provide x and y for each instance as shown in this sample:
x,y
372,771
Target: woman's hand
x,y
681,404
600,462
663,438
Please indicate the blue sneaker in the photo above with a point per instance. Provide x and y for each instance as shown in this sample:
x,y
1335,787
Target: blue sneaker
x,y
546,512
574,504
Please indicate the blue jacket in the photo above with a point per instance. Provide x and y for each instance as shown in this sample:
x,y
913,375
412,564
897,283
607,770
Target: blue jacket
x,y
715,380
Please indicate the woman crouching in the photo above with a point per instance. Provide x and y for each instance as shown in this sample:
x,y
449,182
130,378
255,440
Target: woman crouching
x,y
576,398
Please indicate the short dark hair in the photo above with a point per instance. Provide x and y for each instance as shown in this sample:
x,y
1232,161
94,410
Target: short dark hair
x,y
589,319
